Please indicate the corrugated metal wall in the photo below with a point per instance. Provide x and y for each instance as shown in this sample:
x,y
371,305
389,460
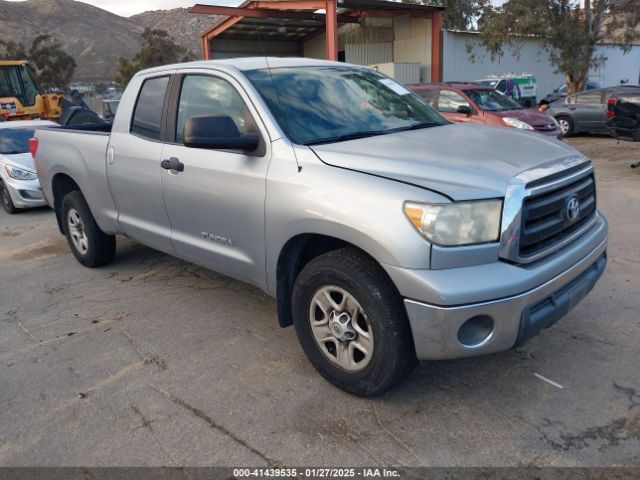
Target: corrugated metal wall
x,y
458,67
532,59
368,54
619,66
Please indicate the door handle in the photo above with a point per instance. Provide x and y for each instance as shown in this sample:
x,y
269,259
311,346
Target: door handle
x,y
172,163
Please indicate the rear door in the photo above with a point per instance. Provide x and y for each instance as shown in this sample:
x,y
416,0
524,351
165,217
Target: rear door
x,y
134,173
216,204
588,111
448,103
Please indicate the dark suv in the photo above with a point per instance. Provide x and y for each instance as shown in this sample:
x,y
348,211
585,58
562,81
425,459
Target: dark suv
x,y
623,113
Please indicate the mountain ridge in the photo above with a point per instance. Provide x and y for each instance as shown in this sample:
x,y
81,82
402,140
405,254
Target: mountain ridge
x,y
93,36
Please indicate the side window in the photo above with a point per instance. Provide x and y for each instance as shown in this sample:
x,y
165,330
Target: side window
x,y
502,86
205,95
427,95
589,97
147,115
449,101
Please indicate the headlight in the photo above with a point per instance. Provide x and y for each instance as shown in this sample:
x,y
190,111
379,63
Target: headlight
x,y
20,174
514,122
459,223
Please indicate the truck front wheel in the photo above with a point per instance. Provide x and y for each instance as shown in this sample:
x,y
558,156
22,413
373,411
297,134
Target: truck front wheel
x,y
90,245
352,324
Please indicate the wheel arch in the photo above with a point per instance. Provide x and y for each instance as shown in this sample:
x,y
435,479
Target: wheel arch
x,y
61,184
297,252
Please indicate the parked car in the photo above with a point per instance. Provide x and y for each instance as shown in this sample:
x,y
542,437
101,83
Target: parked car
x,y
386,233
19,186
522,88
473,103
585,112
561,91
623,113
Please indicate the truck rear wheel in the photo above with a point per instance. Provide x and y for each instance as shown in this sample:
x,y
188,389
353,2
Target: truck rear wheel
x,y
90,245
352,324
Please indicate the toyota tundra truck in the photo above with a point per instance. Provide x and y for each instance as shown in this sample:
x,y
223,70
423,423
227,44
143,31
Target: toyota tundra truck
x,y
386,234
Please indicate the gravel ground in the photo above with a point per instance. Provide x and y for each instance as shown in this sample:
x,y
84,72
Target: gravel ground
x,y
154,361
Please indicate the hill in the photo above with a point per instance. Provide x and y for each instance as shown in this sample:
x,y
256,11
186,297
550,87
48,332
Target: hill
x,y
183,26
95,37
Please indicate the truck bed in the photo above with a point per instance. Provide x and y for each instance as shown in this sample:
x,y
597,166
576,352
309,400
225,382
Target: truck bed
x,y
81,152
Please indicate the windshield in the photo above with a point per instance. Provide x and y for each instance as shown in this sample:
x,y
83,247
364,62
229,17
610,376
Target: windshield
x,y
15,81
15,140
330,104
492,101
488,83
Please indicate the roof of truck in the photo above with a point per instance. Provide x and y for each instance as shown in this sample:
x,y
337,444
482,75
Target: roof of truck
x,y
250,63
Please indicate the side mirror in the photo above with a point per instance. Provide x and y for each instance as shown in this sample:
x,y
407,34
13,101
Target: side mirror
x,y
217,132
464,110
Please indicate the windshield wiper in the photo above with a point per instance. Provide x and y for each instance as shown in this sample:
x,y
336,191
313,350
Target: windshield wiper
x,y
419,125
347,136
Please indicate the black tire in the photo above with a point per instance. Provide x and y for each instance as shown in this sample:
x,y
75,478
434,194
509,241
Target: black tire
x,y
100,247
569,123
5,199
393,354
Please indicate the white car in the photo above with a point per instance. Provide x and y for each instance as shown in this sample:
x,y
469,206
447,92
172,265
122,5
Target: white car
x,y
19,185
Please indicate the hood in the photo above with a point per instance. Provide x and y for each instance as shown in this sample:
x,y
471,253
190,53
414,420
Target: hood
x,y
21,160
461,161
532,117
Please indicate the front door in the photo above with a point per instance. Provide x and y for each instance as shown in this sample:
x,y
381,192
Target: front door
x,y
134,174
448,104
216,203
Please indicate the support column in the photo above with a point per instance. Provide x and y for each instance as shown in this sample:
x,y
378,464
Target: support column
x,y
331,30
436,47
205,48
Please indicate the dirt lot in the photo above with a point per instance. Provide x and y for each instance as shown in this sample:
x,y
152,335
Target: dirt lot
x,y
153,361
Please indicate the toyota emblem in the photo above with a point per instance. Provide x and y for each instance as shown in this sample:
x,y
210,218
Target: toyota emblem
x,y
572,210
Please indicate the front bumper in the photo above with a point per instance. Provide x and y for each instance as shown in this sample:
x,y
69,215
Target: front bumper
x,y
24,193
556,133
441,330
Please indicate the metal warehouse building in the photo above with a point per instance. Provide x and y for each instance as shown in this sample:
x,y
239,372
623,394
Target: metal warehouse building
x,y
402,40
533,59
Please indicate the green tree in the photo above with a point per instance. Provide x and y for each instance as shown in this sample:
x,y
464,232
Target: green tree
x,y
568,29
461,14
458,14
10,50
158,48
54,67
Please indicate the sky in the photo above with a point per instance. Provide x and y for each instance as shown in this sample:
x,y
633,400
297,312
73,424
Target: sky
x,y
126,8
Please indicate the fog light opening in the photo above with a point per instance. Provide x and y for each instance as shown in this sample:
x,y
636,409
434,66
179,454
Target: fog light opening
x,y
476,331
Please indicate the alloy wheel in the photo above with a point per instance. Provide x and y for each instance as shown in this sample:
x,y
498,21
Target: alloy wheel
x,y
77,231
341,328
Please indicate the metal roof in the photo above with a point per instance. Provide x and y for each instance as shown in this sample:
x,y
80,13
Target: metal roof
x,y
382,5
284,29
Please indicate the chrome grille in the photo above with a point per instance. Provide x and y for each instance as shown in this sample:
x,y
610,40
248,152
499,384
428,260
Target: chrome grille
x,y
545,218
535,216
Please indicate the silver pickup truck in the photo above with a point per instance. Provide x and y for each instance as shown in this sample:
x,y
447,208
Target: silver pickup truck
x,y
386,234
